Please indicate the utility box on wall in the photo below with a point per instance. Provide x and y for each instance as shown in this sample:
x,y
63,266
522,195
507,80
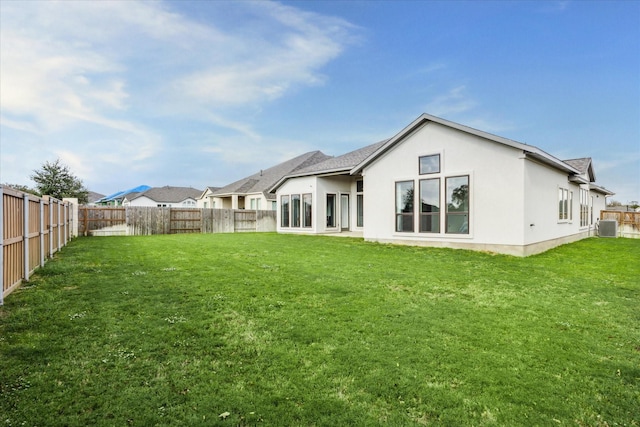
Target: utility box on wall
x,y
608,228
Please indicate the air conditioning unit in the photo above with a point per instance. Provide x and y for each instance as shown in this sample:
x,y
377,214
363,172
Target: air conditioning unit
x,y
608,228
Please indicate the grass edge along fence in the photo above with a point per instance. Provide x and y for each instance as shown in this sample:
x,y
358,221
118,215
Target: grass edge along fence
x,y
32,229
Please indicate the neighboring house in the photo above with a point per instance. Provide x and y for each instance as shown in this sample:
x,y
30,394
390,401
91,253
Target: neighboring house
x,y
116,199
207,199
440,183
171,197
93,197
252,192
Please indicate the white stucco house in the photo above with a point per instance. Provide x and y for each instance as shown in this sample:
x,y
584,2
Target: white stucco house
x,y
440,183
167,196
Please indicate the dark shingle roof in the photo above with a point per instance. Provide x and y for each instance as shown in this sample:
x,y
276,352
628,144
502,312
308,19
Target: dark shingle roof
x,y
344,162
169,194
584,166
262,181
581,164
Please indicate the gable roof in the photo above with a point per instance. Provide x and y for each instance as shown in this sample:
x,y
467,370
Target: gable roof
x,y
529,150
353,163
168,194
332,165
210,190
261,182
584,166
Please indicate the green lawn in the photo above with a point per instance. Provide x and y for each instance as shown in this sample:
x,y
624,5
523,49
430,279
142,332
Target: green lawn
x,y
282,330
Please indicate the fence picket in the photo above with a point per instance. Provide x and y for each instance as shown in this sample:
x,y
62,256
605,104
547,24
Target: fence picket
x,y
26,229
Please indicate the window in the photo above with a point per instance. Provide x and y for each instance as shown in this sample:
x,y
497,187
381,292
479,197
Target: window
x,y
457,216
253,203
205,205
274,205
331,210
430,205
584,207
295,210
189,203
359,204
284,211
306,209
565,204
404,206
430,164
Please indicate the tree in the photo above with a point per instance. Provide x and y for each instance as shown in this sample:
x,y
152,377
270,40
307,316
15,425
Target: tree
x,y
23,188
56,180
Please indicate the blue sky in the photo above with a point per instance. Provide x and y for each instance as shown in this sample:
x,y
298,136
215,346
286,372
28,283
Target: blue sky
x,y
206,92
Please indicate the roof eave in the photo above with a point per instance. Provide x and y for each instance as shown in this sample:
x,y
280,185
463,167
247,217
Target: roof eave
x,y
601,190
324,172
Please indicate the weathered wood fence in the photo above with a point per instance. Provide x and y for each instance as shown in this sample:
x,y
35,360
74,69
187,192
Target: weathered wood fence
x,y
628,222
32,229
135,220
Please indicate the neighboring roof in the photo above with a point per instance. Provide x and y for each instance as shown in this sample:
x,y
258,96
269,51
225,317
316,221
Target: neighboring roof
x,y
585,166
261,182
168,194
209,189
121,194
93,197
529,150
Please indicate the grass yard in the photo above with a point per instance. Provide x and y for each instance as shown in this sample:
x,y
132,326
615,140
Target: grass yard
x,y
283,330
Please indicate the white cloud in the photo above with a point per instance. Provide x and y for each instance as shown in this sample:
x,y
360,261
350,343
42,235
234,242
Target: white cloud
x,y
102,84
455,101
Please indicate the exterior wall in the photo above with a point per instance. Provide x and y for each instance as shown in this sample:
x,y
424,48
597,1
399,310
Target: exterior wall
x,y
258,200
207,199
143,201
147,202
541,217
338,185
319,188
495,179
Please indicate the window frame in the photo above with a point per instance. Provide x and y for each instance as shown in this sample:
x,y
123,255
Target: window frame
x,y
360,203
565,205
421,172
296,210
285,208
307,210
426,217
402,216
331,216
450,215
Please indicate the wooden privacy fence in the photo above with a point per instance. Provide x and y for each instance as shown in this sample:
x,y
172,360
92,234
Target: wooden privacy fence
x,y
32,229
135,220
628,222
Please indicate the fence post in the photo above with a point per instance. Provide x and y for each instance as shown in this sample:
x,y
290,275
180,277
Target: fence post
x,y
59,228
41,233
1,246
65,218
25,236
50,226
